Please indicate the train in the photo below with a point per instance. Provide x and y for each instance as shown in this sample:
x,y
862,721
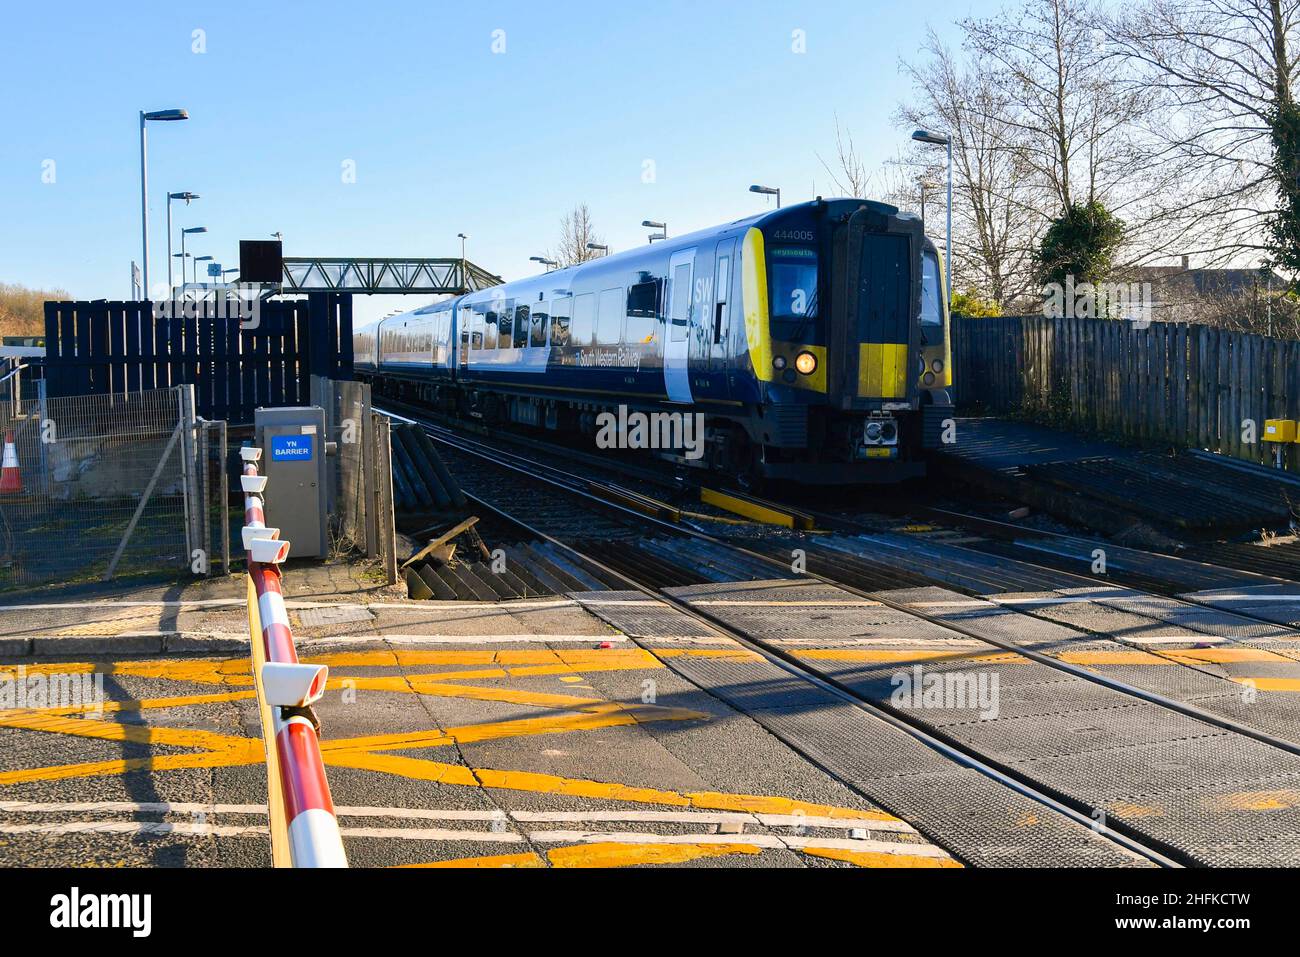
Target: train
x,y
807,344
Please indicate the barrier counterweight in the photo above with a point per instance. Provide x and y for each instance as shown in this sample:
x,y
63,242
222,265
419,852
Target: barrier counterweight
x,y
304,828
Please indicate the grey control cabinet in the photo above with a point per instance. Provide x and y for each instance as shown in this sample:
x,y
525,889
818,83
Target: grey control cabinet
x,y
293,444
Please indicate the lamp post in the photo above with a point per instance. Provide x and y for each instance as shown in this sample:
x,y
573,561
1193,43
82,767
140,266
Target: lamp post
x,y
548,263
184,233
768,191
157,116
939,139
188,197
662,227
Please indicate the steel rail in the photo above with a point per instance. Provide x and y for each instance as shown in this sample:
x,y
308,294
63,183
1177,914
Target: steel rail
x,y
1076,811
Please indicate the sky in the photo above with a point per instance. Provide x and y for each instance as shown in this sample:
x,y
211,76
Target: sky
x,y
491,119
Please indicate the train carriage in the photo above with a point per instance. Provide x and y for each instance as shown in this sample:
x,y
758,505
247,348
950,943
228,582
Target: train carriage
x,y
812,339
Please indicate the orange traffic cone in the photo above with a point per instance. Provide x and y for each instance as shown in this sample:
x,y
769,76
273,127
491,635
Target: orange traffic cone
x,y
11,478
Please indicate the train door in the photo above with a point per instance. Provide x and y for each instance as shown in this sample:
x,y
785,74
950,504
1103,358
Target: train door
x,y
678,317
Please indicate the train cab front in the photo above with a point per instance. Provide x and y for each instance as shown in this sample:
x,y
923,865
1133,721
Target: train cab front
x,y
855,355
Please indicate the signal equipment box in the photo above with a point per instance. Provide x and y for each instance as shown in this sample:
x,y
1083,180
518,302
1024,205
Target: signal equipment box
x,y
293,444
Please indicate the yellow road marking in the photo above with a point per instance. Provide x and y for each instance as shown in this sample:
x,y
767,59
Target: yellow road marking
x,y
1268,683
1226,655
529,859
876,859
1275,800
631,855
217,750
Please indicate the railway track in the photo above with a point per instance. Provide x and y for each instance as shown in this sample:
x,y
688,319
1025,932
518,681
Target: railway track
x,y
572,532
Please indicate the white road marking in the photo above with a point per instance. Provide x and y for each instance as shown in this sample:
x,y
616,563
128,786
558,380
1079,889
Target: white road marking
x,y
422,606
483,639
453,814
448,835
772,841
730,603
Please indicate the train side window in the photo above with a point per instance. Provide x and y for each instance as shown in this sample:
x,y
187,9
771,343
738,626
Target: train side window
x,y
560,322
490,330
643,303
537,336
609,322
584,318
505,325
721,310
475,317
521,327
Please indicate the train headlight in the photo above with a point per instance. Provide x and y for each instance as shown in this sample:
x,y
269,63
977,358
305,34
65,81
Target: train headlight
x,y
778,363
806,363
937,366
928,378
872,431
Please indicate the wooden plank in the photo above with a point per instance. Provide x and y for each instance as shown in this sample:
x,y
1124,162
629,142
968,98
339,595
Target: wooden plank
x,y
275,352
132,361
217,364
247,380
232,394
1179,395
55,372
117,351
161,353
176,350
190,347
344,358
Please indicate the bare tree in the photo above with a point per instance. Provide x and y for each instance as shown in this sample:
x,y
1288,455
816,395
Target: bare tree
x,y
846,171
1221,73
1073,109
576,231
997,211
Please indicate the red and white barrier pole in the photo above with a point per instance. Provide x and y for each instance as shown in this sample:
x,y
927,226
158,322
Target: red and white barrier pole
x,y
299,793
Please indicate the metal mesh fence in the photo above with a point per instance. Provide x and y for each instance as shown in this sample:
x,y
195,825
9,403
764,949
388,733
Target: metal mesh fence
x,y
347,416
97,487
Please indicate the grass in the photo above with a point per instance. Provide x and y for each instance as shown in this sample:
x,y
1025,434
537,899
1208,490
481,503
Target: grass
x,y
22,310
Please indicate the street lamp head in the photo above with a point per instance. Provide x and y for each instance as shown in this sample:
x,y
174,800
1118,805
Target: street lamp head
x,y
598,247
162,116
654,236
186,195
461,236
651,224
925,136
202,258
195,229
765,190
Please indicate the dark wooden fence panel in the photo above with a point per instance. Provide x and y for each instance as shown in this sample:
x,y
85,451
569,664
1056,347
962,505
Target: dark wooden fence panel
x,y
101,348
1162,383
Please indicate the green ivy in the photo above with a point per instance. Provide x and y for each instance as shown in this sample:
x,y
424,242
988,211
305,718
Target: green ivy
x,y
1079,243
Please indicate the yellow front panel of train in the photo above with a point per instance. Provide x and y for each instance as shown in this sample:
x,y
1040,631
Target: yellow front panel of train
x,y
882,370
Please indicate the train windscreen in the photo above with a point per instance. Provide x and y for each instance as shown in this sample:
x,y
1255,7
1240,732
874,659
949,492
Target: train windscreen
x,y
792,293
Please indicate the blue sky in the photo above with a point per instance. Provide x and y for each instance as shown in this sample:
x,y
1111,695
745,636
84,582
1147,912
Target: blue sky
x,y
446,135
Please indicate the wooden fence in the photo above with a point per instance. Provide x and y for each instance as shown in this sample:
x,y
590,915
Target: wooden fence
x,y
101,348
1164,383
